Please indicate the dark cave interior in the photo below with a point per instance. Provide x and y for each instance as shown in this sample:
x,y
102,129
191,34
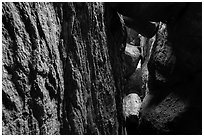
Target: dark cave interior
x,y
102,68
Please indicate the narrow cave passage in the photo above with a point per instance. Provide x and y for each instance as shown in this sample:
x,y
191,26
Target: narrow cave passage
x,y
101,68
137,54
159,96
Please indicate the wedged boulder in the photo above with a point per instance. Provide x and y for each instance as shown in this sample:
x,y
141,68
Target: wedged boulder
x,y
131,105
132,57
131,108
134,83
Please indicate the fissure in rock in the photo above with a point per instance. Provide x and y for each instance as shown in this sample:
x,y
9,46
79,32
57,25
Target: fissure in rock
x,y
101,68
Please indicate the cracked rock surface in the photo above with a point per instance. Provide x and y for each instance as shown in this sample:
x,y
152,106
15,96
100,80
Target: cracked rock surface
x,y
57,70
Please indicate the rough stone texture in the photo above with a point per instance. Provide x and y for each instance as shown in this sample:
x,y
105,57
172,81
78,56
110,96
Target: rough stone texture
x,y
131,108
115,30
131,105
132,37
173,103
146,45
136,65
132,57
62,71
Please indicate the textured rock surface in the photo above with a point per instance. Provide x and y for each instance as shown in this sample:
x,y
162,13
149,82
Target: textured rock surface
x,y
131,105
132,56
131,109
136,65
173,104
173,100
132,37
58,77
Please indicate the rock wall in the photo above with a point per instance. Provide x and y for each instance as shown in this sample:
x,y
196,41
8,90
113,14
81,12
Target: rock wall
x,y
173,104
62,69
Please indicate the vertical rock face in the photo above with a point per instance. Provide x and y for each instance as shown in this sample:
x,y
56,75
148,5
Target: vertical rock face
x,y
33,83
62,71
